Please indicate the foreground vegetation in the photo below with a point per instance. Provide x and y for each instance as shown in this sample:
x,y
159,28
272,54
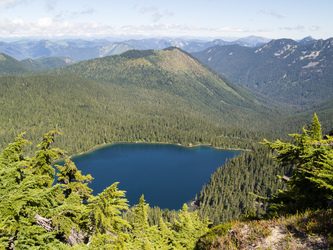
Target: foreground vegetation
x,y
37,213
307,230
300,214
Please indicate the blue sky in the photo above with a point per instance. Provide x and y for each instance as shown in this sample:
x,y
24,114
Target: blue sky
x,y
89,19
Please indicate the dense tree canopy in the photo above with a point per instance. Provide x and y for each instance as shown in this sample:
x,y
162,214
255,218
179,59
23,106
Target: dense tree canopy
x,y
227,195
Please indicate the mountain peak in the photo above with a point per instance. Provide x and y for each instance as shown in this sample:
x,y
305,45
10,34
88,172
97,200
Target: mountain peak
x,y
307,40
2,57
10,66
5,57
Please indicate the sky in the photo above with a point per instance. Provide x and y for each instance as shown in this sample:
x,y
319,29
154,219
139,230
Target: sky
x,y
201,19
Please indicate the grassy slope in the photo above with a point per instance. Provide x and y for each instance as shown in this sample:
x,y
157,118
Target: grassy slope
x,y
310,230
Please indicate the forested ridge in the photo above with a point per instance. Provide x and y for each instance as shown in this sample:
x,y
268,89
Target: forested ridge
x,y
172,71
228,194
138,96
154,93
178,73
89,114
10,66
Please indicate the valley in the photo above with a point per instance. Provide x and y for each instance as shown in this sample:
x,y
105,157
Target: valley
x,y
226,96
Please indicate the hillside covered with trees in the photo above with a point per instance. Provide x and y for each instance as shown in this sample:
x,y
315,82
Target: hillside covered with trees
x,y
147,96
35,213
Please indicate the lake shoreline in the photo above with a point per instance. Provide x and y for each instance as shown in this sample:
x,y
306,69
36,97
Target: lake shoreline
x,y
154,169
142,142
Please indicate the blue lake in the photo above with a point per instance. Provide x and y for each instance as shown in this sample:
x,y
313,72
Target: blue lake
x,y
167,175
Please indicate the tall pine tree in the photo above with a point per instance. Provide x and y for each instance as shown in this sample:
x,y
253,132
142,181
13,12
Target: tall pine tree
x,y
311,182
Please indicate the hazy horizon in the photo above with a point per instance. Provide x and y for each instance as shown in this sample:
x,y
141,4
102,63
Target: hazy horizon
x,y
202,19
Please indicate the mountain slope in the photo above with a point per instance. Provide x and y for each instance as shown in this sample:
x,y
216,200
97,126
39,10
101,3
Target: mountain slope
x,y
89,114
284,70
177,73
172,72
164,96
212,96
46,63
159,96
10,66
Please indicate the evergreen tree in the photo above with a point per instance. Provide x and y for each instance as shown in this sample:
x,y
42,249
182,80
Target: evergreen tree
x,y
24,200
311,182
188,227
105,219
144,236
41,163
35,214
73,179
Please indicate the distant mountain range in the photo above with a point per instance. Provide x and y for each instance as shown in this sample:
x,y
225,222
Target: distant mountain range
x,y
287,71
79,50
299,73
11,66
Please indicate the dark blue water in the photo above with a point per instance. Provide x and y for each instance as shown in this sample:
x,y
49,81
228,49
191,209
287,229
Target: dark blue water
x,y
167,175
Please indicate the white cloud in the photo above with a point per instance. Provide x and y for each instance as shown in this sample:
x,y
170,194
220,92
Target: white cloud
x,y
149,28
228,29
88,11
57,27
48,27
314,28
181,30
71,15
148,9
44,22
18,22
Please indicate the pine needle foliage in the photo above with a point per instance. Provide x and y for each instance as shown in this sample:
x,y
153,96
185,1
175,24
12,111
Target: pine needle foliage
x,y
73,179
311,183
37,213
183,233
105,211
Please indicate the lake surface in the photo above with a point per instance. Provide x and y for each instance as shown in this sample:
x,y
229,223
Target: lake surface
x,y
167,175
